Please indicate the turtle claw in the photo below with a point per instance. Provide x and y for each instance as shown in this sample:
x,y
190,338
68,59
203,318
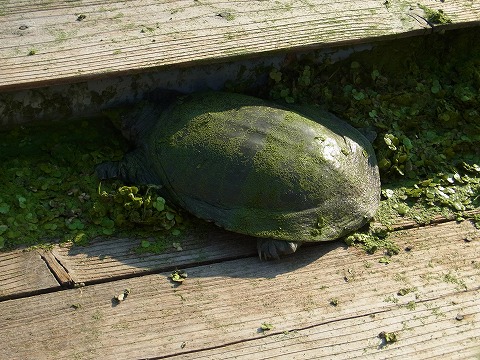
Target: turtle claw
x,y
272,249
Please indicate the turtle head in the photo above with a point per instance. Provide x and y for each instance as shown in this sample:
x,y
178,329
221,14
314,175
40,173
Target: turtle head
x,y
136,121
118,116
133,121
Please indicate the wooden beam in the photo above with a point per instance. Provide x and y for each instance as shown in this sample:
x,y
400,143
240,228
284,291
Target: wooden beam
x,y
113,259
46,43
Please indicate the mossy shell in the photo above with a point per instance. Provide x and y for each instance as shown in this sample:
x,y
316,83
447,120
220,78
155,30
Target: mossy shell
x,y
254,167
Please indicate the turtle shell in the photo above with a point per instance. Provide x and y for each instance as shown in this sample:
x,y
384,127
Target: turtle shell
x,y
254,167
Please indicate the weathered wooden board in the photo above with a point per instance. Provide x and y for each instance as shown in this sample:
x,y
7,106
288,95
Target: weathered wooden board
x,y
401,222
430,331
219,309
24,272
50,42
110,259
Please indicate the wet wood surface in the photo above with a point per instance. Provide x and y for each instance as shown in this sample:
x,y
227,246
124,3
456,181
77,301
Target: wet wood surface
x,y
51,42
326,301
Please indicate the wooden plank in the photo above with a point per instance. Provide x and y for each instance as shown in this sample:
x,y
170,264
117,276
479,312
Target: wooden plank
x,y
112,259
24,272
429,331
217,311
401,222
115,38
106,260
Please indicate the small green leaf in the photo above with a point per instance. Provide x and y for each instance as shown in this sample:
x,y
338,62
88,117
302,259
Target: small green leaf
x,y
178,276
159,204
107,223
384,260
358,95
107,231
436,87
389,337
375,74
21,201
4,208
75,224
50,226
266,327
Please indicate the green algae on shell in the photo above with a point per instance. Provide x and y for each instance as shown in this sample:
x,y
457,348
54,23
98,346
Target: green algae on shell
x,y
262,169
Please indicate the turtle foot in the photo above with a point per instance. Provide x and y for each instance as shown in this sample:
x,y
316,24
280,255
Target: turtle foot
x,y
273,249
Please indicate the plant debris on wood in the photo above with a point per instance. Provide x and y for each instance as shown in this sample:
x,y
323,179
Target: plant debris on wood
x,y
388,337
266,327
122,296
178,276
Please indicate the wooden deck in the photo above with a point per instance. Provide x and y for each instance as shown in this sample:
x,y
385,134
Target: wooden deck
x,y
328,301
51,42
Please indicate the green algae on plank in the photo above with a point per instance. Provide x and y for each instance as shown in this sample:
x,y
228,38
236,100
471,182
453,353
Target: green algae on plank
x,y
435,16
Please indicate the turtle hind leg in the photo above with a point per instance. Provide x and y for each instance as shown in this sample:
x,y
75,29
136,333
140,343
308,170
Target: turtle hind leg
x,y
273,249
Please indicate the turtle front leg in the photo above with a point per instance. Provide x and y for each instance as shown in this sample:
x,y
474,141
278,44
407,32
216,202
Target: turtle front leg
x,y
108,170
117,170
133,169
273,249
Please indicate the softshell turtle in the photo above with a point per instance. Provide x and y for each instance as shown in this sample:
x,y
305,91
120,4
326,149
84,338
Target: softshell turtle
x,y
286,175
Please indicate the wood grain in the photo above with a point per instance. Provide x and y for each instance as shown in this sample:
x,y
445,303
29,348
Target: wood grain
x,y
24,272
117,38
219,309
112,259
105,260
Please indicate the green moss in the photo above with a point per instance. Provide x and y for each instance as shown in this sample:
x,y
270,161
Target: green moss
x,y
51,193
372,241
435,16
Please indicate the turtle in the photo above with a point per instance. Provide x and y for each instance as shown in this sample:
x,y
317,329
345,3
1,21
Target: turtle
x,y
284,174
